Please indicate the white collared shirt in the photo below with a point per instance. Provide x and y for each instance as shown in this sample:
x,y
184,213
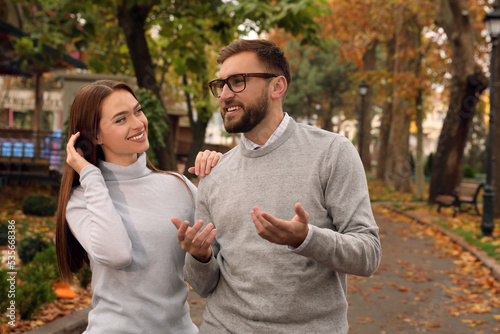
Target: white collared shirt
x,y
276,134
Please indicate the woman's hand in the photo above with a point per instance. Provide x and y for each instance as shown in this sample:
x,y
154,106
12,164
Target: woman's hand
x,y
204,162
74,156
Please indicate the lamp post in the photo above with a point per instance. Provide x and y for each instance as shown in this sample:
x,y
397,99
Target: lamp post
x,y
487,223
362,90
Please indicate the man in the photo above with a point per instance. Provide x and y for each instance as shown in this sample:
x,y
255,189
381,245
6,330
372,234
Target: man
x,y
291,209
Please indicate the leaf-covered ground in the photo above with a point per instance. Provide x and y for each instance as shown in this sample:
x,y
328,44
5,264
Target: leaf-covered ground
x,y
425,283
11,199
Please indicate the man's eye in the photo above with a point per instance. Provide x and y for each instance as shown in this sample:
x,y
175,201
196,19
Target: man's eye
x,y
238,81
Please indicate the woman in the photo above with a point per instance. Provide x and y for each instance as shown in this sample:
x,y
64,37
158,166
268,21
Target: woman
x,y
114,213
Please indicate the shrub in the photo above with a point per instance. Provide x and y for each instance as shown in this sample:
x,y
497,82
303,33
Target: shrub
x,y
35,289
428,165
4,289
40,205
37,280
48,258
4,233
28,247
469,172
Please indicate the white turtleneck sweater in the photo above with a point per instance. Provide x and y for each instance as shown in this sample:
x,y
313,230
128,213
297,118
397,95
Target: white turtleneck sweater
x,y
121,216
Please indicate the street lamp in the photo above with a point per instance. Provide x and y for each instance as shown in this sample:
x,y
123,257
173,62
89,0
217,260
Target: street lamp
x,y
487,224
362,90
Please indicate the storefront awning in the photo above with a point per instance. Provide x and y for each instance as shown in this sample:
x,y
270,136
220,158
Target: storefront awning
x,y
24,100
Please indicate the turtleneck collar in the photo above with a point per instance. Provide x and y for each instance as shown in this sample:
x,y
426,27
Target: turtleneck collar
x,y
114,172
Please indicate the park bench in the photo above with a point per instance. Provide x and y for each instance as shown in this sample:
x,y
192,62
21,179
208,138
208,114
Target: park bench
x,y
465,193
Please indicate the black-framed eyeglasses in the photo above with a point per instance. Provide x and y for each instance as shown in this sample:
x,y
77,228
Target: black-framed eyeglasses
x,y
236,82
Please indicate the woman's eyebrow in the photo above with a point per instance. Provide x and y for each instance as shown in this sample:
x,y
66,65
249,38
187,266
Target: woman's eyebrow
x,y
137,106
119,114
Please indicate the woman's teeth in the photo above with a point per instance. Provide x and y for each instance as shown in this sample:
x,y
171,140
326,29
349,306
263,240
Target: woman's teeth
x,y
137,137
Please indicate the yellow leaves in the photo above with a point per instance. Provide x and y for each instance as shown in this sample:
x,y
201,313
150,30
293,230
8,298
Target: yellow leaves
x,y
471,323
365,320
39,322
479,309
431,324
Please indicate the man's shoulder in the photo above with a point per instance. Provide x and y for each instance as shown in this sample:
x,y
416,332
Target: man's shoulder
x,y
226,162
317,134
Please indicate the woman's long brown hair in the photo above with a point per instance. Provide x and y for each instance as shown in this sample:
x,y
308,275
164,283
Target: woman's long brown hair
x,y
85,116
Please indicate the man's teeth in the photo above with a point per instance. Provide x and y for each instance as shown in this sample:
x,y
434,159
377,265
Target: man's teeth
x,y
137,137
232,108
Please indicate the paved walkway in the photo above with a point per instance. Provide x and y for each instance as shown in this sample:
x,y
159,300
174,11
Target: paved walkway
x,y
425,284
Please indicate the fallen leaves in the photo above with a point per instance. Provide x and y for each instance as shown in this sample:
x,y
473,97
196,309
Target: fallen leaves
x,y
51,311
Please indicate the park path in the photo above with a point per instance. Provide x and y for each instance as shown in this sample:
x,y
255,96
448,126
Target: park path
x,y
425,284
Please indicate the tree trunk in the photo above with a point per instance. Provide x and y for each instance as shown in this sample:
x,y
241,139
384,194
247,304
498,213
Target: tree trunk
x,y
419,119
419,160
132,19
369,60
496,137
198,131
398,169
465,88
37,114
386,120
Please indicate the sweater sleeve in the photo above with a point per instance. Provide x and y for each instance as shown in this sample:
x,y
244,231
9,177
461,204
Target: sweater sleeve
x,y
203,277
95,223
352,245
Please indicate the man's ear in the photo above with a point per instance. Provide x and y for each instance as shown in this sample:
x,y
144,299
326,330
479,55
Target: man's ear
x,y
279,87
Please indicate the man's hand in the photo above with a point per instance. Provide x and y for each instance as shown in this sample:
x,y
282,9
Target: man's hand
x,y
204,162
279,231
193,241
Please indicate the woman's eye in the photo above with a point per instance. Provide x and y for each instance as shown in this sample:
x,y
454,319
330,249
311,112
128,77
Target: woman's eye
x,y
120,120
139,111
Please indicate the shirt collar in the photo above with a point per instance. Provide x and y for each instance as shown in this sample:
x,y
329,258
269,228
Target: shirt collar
x,y
250,145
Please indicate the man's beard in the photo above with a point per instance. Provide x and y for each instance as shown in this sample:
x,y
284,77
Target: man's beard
x,y
252,116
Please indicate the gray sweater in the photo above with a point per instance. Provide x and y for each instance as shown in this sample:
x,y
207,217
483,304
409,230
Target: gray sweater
x,y
121,216
254,286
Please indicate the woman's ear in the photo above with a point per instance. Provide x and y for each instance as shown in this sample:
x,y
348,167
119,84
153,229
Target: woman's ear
x,y
279,87
98,139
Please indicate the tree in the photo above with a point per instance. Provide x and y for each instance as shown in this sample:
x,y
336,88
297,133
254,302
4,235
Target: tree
x,y
467,84
42,48
496,143
320,82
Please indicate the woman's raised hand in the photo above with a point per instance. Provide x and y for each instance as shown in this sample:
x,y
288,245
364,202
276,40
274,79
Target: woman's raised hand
x,y
204,162
74,156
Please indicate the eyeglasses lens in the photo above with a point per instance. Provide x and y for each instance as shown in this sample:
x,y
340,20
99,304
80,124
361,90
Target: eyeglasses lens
x,y
236,84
